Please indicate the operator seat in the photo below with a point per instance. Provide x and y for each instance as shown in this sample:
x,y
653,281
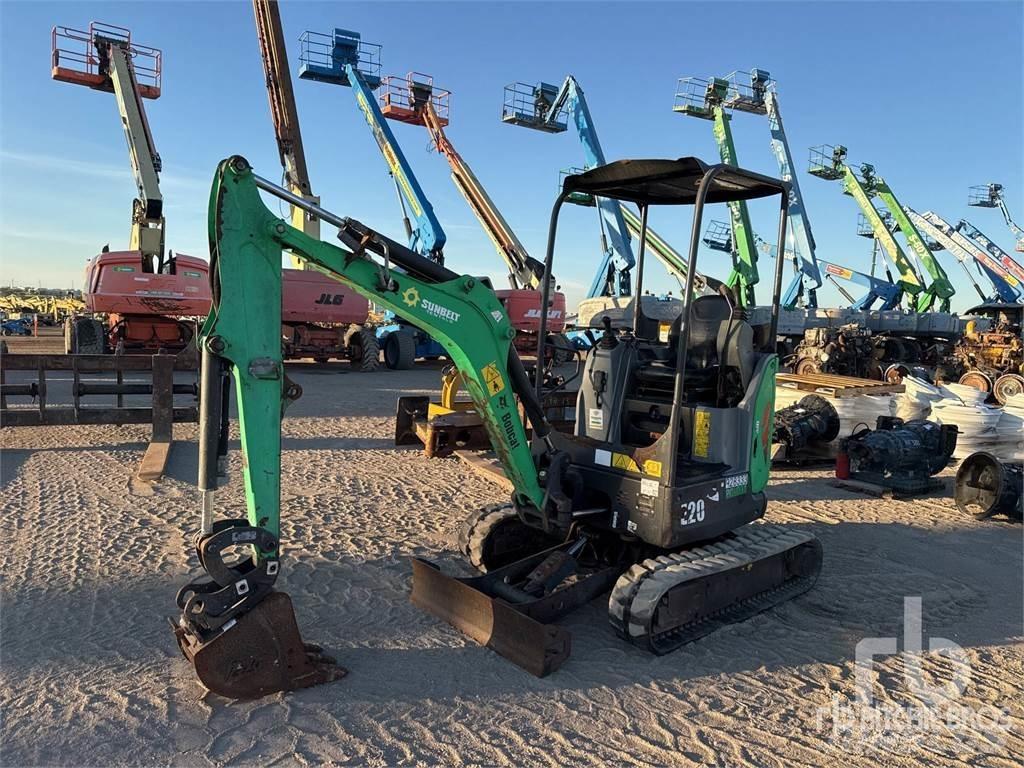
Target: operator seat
x,y
717,339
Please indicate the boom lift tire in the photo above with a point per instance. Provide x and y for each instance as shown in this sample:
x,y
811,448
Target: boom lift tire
x,y
363,349
400,350
495,536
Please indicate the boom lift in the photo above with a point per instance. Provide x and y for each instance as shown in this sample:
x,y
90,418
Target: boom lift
x,y
546,108
142,291
708,100
1008,263
991,196
343,58
932,225
321,318
718,237
410,100
829,162
674,451
759,97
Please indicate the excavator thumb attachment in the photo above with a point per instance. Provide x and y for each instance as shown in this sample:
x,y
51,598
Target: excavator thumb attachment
x,y
259,653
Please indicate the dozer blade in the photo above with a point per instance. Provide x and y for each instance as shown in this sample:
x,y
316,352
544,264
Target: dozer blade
x,y
259,653
663,603
538,648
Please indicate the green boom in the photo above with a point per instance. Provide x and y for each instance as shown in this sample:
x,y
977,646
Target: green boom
x,y
244,327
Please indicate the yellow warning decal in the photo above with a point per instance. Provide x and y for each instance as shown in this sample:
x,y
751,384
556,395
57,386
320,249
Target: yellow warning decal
x,y
701,434
652,467
622,461
495,382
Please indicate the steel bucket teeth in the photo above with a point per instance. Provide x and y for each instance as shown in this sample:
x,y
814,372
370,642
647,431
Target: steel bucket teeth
x,y
261,653
538,648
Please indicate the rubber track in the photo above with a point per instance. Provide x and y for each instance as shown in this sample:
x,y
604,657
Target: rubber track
x,y
636,595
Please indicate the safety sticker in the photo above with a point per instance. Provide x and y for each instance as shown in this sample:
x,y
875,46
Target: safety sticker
x,y
602,458
649,487
622,461
652,467
124,269
596,420
701,434
495,382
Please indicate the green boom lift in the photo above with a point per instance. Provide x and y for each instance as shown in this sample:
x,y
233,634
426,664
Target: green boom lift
x,y
651,497
829,162
708,100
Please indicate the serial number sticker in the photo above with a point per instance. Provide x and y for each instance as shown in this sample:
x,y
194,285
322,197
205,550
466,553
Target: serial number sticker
x,y
649,487
736,485
493,378
596,418
652,468
702,434
603,458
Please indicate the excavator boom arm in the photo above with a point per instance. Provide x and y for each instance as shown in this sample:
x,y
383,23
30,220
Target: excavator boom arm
x,y
462,313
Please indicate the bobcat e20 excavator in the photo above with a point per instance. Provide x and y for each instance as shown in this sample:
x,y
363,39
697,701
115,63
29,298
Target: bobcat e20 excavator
x,y
651,497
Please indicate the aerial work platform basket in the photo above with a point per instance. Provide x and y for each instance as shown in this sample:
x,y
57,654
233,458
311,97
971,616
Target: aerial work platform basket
x,y
984,195
529,106
827,161
718,236
746,91
864,228
404,98
325,57
576,198
78,56
697,96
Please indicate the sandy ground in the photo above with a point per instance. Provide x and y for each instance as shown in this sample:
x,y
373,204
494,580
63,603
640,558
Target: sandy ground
x,y
91,675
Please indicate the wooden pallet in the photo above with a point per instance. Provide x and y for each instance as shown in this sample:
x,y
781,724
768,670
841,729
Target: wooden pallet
x,y
836,386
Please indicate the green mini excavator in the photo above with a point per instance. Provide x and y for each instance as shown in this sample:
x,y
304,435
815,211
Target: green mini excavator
x,y
653,498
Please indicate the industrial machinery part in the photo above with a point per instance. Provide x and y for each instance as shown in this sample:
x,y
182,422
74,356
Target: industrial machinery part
x,y
992,359
672,450
343,58
830,162
811,420
848,350
321,318
986,486
900,455
142,291
991,196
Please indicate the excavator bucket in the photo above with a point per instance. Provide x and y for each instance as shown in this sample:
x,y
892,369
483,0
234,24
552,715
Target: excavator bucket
x,y
259,653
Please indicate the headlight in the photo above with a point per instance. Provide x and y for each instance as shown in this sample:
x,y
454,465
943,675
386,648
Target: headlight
x,y
825,357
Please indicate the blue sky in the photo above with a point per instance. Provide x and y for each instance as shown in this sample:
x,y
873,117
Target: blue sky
x,y
928,92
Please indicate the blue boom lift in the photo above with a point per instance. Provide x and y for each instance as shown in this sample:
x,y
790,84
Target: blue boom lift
x,y
345,59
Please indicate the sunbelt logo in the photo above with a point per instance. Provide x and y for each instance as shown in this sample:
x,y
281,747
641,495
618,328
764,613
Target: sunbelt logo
x,y
412,298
